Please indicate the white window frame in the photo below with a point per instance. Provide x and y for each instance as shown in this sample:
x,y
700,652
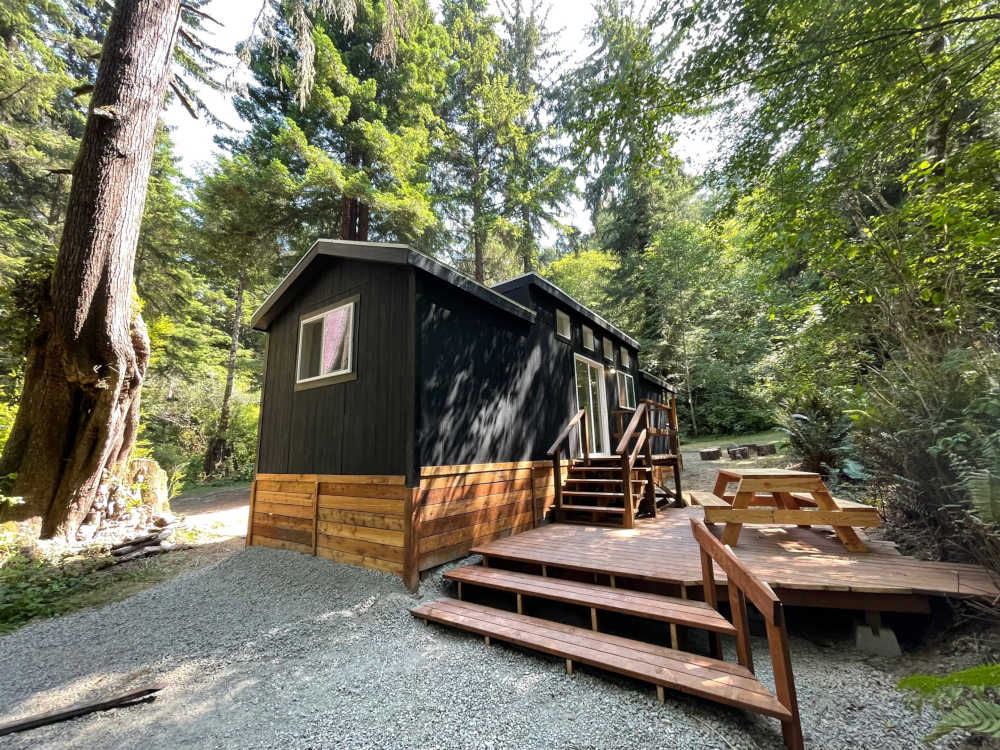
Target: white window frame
x,y
342,374
569,325
609,350
588,333
602,441
626,359
624,379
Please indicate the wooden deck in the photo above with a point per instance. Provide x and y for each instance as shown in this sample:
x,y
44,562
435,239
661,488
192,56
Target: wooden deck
x,y
805,566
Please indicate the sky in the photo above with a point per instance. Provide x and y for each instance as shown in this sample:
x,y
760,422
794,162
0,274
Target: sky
x,y
193,139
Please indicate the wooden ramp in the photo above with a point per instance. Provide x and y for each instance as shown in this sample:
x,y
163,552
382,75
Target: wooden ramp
x,y
697,675
704,676
804,566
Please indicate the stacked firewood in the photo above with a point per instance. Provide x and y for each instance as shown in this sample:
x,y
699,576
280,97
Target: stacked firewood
x,y
153,541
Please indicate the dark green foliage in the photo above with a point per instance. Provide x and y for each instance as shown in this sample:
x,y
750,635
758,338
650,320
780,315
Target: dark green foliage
x,y
819,432
33,587
966,700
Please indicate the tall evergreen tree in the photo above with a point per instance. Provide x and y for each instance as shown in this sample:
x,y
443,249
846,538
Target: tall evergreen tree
x,y
243,210
362,137
537,183
482,113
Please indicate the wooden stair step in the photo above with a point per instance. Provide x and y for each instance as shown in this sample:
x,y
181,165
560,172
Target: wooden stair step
x,y
679,611
595,495
601,481
694,674
591,508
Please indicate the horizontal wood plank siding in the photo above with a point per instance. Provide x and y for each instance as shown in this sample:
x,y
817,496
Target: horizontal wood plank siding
x,y
464,505
380,523
352,519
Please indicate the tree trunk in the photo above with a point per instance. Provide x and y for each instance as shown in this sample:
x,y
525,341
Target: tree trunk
x,y
687,376
525,238
355,215
219,448
478,241
80,404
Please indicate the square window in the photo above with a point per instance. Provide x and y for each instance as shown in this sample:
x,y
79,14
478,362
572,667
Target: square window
x,y
609,350
562,324
626,360
326,344
588,338
626,391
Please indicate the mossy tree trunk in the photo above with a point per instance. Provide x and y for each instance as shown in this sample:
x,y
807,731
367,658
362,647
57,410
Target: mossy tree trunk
x,y
79,409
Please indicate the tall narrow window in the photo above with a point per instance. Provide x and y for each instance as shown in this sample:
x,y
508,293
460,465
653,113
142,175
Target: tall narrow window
x,y
562,324
588,337
609,350
626,360
626,390
326,344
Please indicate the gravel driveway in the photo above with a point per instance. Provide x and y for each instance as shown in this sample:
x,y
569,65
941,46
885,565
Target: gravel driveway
x,y
271,649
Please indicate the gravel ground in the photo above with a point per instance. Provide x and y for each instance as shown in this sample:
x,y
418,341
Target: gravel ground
x,y
273,649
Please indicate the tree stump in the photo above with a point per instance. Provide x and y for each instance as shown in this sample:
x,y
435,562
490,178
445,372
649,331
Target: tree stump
x,y
765,449
740,453
710,454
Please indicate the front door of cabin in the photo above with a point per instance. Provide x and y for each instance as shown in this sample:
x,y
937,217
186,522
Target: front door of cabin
x,y
592,396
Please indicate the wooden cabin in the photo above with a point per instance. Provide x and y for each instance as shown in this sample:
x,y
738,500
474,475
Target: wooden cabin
x,y
409,413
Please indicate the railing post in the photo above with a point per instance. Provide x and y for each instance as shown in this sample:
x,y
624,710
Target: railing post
x,y
557,474
711,597
650,487
784,682
629,515
738,608
585,438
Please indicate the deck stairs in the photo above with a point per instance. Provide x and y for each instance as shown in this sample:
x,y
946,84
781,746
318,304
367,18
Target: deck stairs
x,y
667,667
593,493
616,489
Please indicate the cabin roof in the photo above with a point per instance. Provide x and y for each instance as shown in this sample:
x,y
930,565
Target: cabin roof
x,y
381,252
533,279
657,380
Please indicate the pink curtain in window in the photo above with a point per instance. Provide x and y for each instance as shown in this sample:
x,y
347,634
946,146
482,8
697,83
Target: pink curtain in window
x,y
336,334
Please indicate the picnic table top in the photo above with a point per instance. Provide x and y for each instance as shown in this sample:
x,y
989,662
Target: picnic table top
x,y
737,472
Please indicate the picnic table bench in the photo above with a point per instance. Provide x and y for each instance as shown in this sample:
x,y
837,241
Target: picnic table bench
x,y
781,496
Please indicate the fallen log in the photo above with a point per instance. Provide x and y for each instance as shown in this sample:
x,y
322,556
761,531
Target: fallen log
x,y
80,709
710,454
740,453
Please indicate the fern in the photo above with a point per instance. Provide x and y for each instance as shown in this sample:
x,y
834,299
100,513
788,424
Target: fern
x,y
966,700
976,715
983,487
928,685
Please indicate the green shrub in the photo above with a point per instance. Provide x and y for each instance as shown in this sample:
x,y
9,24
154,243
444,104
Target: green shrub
x,y
967,700
33,585
930,433
820,433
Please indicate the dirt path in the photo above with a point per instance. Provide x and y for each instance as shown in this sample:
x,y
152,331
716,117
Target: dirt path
x,y
223,513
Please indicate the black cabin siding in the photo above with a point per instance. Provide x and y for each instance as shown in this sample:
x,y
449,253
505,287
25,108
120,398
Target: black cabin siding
x,y
484,383
353,427
492,388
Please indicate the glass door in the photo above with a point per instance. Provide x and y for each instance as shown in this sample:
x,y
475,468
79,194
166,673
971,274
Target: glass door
x,y
590,395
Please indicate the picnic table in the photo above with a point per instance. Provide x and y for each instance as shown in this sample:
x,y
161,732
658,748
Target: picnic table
x,y
781,496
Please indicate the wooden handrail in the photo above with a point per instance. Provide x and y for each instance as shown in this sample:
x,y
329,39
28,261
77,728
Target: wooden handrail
x,y
580,418
742,584
760,594
630,430
565,431
638,448
653,404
